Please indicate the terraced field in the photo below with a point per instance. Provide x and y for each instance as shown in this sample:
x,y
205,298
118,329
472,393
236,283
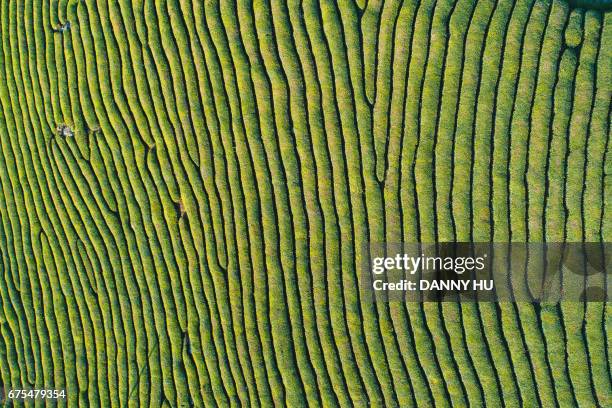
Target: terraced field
x,y
187,189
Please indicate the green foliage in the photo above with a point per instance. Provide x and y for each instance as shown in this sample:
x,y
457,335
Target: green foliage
x,y
188,189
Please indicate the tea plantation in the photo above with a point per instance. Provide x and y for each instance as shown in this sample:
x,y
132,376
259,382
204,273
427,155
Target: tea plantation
x,y
187,189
